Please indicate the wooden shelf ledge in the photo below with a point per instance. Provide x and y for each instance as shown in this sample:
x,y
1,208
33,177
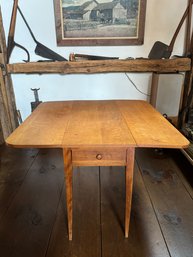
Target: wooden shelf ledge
x,y
102,66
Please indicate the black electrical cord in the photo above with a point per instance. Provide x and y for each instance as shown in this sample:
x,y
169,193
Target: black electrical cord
x,y
135,85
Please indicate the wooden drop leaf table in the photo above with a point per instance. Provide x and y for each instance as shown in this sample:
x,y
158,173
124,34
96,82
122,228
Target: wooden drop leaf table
x,y
97,133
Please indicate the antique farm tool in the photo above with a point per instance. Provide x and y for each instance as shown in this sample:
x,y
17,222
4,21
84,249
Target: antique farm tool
x,y
11,42
161,50
188,30
41,49
74,57
37,101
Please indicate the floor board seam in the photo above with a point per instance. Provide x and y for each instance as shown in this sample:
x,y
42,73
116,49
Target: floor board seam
x,y
183,179
184,185
151,201
51,231
17,191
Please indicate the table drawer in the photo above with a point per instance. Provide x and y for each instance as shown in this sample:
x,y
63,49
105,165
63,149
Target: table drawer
x,y
99,157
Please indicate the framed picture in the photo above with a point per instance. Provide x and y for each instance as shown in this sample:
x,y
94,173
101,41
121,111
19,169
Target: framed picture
x,y
99,22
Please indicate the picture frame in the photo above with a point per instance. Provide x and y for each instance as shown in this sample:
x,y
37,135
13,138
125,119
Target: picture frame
x,y
99,22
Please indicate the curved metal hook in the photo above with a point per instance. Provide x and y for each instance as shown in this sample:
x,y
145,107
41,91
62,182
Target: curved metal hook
x,y
23,48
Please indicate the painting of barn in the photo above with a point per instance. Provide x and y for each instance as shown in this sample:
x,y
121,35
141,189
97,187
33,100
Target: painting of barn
x,y
79,12
109,12
100,18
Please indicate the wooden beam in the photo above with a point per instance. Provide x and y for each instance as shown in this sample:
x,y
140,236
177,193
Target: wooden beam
x,y
154,89
1,57
8,114
1,135
103,66
4,110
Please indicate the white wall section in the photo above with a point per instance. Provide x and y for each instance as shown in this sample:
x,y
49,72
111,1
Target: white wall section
x,y
162,18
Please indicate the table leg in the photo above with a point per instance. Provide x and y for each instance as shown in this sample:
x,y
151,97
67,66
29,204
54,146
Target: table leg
x,y
129,187
67,155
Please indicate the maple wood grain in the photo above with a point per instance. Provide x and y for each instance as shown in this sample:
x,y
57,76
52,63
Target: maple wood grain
x,y
129,187
67,156
43,128
96,123
99,157
148,127
74,124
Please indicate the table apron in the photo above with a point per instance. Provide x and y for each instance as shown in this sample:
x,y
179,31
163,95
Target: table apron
x,y
99,157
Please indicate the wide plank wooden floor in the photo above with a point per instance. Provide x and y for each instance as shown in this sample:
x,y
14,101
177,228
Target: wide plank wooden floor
x,y
33,220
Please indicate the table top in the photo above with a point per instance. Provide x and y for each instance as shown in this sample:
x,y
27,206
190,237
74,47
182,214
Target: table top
x,y
111,123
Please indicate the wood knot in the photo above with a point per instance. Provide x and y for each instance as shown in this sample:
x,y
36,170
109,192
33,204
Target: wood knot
x,y
172,218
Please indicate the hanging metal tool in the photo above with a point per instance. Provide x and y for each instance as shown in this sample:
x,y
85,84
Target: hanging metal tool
x,y
37,101
11,42
161,50
41,49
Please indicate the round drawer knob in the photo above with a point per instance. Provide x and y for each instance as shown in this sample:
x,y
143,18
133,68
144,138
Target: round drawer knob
x,y
99,156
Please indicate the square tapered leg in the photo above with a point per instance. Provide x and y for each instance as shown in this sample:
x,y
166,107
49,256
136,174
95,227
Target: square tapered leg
x,y
67,155
129,187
